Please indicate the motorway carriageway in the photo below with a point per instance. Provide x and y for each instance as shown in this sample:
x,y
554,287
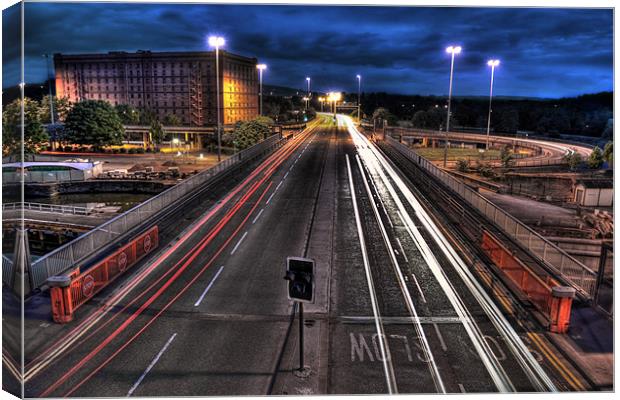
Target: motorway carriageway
x,y
479,351
87,360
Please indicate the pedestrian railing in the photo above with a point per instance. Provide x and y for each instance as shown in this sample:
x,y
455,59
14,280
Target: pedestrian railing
x,y
51,208
580,277
67,256
7,270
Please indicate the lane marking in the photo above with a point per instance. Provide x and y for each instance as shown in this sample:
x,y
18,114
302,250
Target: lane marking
x,y
502,381
202,296
462,388
388,369
418,286
566,374
238,243
402,250
285,175
440,336
433,369
151,365
270,197
278,187
258,216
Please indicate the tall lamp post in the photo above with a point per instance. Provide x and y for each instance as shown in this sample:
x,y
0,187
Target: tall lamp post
x,y
492,64
217,42
359,94
261,68
308,94
453,50
321,100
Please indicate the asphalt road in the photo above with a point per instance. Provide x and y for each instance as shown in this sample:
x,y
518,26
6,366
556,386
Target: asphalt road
x,y
208,313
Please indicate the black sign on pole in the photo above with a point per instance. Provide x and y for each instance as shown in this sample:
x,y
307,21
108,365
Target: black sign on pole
x,y
300,277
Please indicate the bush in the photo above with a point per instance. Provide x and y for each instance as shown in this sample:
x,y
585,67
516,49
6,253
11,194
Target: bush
x,y
133,150
68,148
123,150
140,150
116,151
462,165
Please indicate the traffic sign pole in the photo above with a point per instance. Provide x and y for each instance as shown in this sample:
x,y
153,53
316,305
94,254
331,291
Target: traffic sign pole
x,y
301,335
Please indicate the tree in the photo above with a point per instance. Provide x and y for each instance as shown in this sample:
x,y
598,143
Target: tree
x,y
506,156
267,121
62,106
94,122
573,160
156,132
608,152
596,158
382,113
34,133
127,114
249,133
506,120
172,120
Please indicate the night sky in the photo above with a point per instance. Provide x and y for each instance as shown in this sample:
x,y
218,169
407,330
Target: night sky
x,y
544,52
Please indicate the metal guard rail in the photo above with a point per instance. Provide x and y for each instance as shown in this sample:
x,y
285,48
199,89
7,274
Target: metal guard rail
x,y
580,277
66,256
53,208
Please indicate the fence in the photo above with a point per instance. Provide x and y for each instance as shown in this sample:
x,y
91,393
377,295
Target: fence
x,y
7,270
70,292
540,150
575,273
66,256
51,208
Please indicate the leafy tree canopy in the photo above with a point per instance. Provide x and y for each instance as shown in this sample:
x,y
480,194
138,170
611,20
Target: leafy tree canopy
x,y
94,122
249,133
34,133
127,114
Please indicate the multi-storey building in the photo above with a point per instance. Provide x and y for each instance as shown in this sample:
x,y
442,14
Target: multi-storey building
x,y
177,83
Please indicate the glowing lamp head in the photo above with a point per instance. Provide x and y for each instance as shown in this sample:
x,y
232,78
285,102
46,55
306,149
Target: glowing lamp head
x,y
261,66
358,76
493,63
453,49
216,41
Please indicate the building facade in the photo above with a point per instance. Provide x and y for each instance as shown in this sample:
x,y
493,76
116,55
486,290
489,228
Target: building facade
x,y
167,83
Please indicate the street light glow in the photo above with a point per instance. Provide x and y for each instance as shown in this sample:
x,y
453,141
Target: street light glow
x,y
493,63
261,66
308,78
216,41
453,49
358,76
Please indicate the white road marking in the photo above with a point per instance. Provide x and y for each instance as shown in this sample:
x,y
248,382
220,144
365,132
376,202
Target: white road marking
x,y
278,187
270,197
285,175
538,377
202,296
402,250
151,365
238,243
383,345
433,369
462,388
258,216
419,288
441,341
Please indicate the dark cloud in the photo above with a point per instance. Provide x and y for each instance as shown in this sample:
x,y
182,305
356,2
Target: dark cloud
x,y
544,52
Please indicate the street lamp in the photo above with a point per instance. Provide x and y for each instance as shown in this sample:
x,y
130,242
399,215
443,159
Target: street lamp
x,y
260,68
308,96
334,97
321,100
359,94
217,42
453,50
492,64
